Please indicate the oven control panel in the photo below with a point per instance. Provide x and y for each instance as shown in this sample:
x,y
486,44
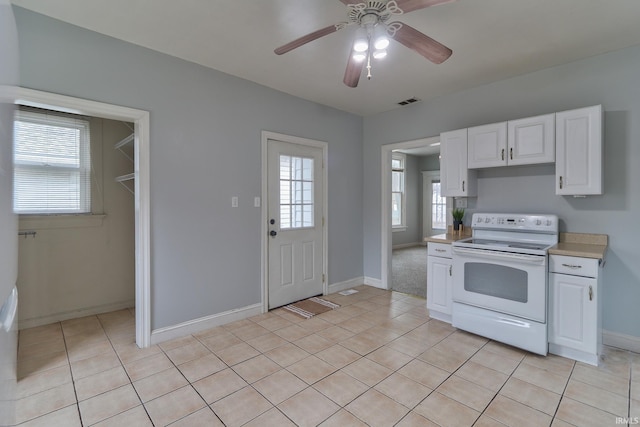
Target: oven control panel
x,y
525,222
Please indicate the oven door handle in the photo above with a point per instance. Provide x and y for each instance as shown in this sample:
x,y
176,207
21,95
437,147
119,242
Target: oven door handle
x,y
495,255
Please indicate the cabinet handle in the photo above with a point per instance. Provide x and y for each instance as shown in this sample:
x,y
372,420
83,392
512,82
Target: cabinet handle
x,y
463,186
561,182
590,293
440,250
450,267
511,153
503,154
574,266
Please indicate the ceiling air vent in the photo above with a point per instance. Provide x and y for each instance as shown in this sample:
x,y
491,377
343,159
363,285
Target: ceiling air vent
x,y
408,101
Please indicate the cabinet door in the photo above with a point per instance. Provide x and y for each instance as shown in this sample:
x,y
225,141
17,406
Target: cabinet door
x,y
579,151
531,140
439,282
487,146
573,312
455,179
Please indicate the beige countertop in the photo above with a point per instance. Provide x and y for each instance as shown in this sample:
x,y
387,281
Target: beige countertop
x,y
581,245
569,244
450,236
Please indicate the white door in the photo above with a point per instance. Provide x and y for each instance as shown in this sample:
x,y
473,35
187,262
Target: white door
x,y
457,180
487,145
579,151
295,197
573,312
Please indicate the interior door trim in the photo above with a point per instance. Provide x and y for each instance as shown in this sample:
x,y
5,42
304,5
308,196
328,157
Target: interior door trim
x,y
324,146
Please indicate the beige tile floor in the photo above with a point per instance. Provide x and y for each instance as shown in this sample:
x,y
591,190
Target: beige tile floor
x,y
377,360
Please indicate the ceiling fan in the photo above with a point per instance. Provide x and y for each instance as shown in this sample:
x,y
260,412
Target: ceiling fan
x,y
371,17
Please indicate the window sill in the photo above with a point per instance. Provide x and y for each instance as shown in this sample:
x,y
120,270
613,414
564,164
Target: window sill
x,y
43,222
398,229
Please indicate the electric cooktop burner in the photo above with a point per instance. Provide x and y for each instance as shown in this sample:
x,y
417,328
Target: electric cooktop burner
x,y
506,244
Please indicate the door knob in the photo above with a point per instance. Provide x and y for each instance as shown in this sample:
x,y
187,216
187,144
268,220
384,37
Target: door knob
x,y
273,233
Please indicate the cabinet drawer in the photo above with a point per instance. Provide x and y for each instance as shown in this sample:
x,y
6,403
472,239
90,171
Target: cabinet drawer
x,y
587,267
442,250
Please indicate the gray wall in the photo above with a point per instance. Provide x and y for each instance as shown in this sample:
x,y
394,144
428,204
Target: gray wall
x,y
205,148
8,221
430,163
611,80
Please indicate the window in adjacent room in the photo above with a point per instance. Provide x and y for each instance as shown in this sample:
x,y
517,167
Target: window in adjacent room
x,y
438,207
52,172
398,199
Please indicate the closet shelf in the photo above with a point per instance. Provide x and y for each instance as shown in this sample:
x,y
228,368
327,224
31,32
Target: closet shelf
x,y
124,178
130,176
127,177
124,142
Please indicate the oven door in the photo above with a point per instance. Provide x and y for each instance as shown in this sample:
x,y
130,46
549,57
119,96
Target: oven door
x,y
505,282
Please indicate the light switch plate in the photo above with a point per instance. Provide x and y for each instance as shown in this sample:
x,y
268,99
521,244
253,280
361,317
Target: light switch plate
x,y
234,202
256,202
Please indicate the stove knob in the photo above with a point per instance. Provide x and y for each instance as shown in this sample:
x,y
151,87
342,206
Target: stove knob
x,y
549,222
538,221
486,220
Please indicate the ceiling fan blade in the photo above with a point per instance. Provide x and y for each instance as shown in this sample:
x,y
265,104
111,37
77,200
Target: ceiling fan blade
x,y
353,72
411,5
421,43
306,39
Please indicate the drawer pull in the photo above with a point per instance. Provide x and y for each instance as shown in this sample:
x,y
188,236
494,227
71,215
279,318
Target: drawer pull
x,y
590,293
450,267
440,250
572,266
503,154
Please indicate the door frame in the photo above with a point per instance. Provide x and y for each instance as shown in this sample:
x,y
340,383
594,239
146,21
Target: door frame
x,y
140,118
264,216
385,212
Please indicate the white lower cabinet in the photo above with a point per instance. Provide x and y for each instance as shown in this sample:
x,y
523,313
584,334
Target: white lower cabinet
x,y
575,329
439,281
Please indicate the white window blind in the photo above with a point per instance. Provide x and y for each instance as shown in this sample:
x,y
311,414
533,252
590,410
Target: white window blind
x,y
52,172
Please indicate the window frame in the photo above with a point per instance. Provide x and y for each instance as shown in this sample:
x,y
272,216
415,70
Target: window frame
x,y
403,193
428,177
84,164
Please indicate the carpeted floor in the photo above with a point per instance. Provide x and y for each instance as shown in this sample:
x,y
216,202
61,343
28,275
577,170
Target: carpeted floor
x,y
409,270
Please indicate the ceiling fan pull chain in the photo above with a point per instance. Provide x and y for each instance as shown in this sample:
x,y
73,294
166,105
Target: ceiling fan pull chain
x,y
368,66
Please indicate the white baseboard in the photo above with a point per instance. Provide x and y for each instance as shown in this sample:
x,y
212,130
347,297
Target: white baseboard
x,y
74,314
625,342
408,245
207,322
347,284
376,283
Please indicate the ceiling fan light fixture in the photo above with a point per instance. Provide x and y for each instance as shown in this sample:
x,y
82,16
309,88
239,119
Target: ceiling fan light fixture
x,y
361,45
379,54
381,43
359,56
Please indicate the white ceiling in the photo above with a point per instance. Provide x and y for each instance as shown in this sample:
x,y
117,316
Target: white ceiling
x,y
491,40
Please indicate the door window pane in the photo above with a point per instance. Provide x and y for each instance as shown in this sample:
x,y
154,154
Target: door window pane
x,y
296,192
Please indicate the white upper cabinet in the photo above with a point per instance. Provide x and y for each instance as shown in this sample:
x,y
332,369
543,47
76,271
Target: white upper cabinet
x,y
531,140
516,142
579,151
487,145
455,178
